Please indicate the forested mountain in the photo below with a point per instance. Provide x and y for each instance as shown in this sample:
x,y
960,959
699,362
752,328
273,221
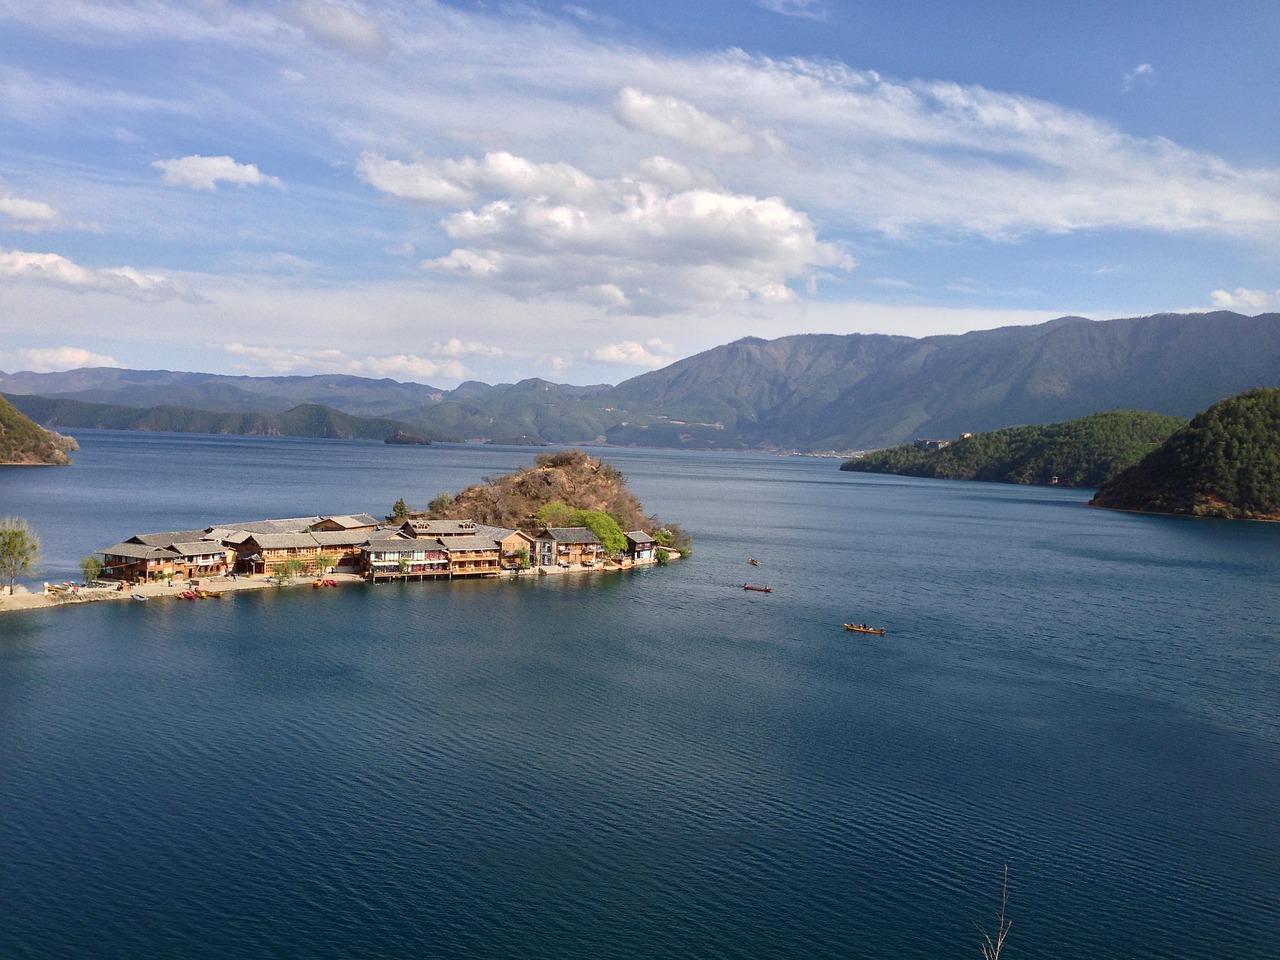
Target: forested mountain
x,y
26,443
1225,463
809,392
866,392
1078,453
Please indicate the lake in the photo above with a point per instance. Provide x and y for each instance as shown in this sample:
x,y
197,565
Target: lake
x,y
651,764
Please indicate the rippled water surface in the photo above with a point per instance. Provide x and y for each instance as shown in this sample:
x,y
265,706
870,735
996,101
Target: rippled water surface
x,y
656,764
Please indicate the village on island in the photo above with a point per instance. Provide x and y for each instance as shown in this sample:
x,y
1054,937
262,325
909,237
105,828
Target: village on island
x,y
359,547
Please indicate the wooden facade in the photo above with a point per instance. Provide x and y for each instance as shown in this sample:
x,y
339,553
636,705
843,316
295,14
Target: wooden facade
x,y
416,549
567,547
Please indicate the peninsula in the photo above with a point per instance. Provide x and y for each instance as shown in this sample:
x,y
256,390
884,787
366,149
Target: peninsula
x,y
23,442
1224,463
568,512
1078,453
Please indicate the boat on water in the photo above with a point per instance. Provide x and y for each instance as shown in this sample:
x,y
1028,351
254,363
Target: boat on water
x,y
140,598
753,561
752,586
863,628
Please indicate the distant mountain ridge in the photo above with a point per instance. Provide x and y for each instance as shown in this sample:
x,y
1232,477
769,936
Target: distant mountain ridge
x,y
807,392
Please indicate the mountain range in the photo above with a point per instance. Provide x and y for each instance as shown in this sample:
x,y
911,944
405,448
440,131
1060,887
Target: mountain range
x,y
808,392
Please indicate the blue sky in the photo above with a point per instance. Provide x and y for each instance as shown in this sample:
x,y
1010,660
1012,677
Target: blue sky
x,y
585,191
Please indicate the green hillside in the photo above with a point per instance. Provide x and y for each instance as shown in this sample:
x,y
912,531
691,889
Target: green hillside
x,y
24,442
1078,453
1225,463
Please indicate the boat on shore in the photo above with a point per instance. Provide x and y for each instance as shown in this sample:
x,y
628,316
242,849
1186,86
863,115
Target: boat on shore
x,y
863,628
752,586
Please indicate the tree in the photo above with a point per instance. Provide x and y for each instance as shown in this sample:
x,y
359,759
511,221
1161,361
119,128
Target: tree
x,y
400,511
91,566
557,513
441,504
604,527
287,571
323,562
19,550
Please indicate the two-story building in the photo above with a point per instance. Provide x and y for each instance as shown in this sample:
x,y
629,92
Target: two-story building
x,y
567,547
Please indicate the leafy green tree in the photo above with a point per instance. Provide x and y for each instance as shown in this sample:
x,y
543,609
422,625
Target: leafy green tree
x,y
400,511
604,527
441,504
91,566
556,514
323,562
674,537
19,550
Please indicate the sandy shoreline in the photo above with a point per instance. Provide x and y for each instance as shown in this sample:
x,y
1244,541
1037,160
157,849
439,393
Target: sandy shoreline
x,y
26,599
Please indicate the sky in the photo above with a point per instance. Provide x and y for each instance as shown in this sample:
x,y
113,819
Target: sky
x,y
447,191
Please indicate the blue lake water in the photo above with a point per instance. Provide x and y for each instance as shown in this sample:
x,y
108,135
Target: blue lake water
x,y
656,764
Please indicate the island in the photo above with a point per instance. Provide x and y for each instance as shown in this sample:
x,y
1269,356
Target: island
x,y
411,439
1224,463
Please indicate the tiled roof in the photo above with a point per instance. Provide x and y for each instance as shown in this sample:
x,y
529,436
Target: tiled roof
x,y
284,541
441,528
137,551
350,520
164,539
286,525
470,543
572,535
498,533
341,538
197,548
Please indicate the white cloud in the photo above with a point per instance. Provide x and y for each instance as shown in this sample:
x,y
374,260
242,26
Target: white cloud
x,y
679,120
471,348
30,215
807,9
50,269
46,360
339,25
204,173
1246,301
402,366
1144,72
632,353
629,244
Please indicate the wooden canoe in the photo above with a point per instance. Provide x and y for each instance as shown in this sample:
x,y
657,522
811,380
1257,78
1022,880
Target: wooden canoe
x,y
857,628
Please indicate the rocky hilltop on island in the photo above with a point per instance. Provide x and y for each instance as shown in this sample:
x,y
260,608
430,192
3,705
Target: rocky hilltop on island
x,y
26,443
566,488
1224,463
